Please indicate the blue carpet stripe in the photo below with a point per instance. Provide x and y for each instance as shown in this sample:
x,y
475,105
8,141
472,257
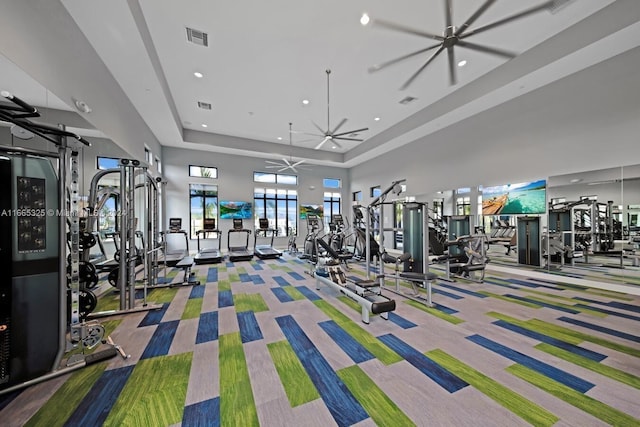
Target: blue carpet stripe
x,y
160,280
257,266
229,264
613,332
280,260
153,317
212,274
312,296
225,299
444,308
461,290
589,354
249,328
612,304
543,304
342,405
295,275
346,342
281,281
446,294
197,292
401,321
611,312
256,279
202,414
244,277
589,300
437,373
207,327
549,371
281,295
160,342
493,282
98,402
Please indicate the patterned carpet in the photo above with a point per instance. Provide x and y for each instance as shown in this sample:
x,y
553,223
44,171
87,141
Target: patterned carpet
x,y
258,344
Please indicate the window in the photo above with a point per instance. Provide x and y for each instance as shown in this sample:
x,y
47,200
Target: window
x,y
438,208
203,171
148,157
331,183
331,206
376,191
158,165
279,206
203,204
357,196
275,178
107,163
398,237
463,205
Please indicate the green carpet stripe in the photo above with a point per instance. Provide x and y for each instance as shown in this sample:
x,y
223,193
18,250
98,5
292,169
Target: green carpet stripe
x,y
222,268
550,295
249,302
592,365
224,285
368,341
609,294
294,293
592,406
202,280
570,307
434,311
522,407
234,277
543,329
279,267
172,273
237,406
192,309
358,272
241,270
295,380
515,301
162,295
351,303
107,302
155,393
67,398
378,405
565,332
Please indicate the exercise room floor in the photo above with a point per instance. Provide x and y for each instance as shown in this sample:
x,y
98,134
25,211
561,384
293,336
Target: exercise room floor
x,y
257,344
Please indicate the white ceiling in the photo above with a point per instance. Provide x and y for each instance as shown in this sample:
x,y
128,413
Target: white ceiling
x,y
264,58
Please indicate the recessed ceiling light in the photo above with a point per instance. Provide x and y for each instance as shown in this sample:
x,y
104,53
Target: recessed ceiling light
x,y
204,126
305,101
279,138
364,19
377,119
462,63
334,147
198,74
574,180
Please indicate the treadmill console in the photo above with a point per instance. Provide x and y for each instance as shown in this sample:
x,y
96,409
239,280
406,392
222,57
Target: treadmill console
x,y
237,224
175,225
264,223
209,224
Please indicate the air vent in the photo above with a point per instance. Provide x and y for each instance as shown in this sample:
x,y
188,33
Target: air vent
x,y
557,5
197,37
204,105
407,100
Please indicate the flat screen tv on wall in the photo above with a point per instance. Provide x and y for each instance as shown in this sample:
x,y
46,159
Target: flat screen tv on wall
x,y
235,210
525,198
311,209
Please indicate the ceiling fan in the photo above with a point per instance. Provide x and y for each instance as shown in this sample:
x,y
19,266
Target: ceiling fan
x,y
454,36
331,135
286,163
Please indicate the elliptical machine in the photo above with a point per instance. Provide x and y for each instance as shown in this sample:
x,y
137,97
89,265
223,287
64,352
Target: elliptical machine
x,y
309,246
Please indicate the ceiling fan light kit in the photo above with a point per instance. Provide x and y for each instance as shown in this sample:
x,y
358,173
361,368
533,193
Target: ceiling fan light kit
x,y
453,36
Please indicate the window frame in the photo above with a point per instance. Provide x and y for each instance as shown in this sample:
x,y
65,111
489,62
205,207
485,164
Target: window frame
x,y
262,208
203,198
212,168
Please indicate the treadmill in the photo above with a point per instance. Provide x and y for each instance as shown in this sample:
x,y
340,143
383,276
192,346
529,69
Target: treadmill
x,y
209,255
265,251
239,252
174,252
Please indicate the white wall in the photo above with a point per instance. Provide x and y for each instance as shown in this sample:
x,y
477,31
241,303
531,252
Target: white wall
x,y
235,182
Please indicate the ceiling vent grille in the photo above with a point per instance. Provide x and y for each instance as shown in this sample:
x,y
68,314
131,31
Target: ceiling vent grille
x,y
557,5
204,105
407,100
197,37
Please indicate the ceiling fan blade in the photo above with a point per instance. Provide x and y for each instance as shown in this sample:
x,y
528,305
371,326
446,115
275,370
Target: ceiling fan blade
x,y
508,19
486,49
299,162
448,11
452,66
326,138
285,168
405,29
351,131
319,128
342,138
273,166
413,77
313,134
379,67
342,122
474,17
273,162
